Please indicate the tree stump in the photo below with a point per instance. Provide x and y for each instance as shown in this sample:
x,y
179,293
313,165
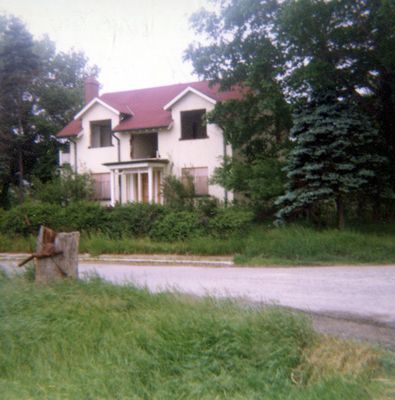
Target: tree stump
x,y
63,263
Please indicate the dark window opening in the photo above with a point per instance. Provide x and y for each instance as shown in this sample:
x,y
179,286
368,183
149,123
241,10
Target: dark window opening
x,y
193,124
101,134
66,148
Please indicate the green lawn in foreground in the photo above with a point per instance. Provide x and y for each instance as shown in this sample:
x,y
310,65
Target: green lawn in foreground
x,y
262,245
97,341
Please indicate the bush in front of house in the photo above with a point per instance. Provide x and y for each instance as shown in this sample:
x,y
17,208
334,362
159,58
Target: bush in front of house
x,y
85,216
158,222
134,219
26,218
229,221
65,188
177,225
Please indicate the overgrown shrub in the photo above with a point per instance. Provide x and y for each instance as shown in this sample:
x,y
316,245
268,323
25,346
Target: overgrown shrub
x,y
126,221
85,216
230,221
179,225
179,195
134,219
26,218
207,206
65,188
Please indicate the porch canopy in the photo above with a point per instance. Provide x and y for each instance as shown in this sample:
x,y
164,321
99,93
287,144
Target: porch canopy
x,y
137,180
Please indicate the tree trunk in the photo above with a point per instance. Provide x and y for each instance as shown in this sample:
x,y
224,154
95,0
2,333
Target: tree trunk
x,y
340,212
376,209
20,177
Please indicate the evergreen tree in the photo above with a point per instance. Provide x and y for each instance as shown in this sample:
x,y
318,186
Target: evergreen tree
x,y
335,155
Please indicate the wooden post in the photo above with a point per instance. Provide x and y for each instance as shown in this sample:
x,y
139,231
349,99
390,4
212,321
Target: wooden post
x,y
58,266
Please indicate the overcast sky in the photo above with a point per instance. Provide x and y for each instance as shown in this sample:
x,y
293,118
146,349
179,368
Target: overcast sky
x,y
135,43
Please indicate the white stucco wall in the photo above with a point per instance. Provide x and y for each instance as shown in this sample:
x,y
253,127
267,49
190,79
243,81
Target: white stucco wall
x,y
207,152
92,159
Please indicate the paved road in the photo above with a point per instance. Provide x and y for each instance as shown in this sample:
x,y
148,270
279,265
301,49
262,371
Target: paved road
x,y
361,292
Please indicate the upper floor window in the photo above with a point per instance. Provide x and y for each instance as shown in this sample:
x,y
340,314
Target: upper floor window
x,y
101,133
193,124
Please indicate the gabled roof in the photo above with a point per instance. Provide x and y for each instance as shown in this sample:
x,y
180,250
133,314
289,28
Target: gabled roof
x,y
144,108
73,128
187,90
94,101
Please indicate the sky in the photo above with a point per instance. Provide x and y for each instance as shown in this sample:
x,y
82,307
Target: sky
x,y
135,43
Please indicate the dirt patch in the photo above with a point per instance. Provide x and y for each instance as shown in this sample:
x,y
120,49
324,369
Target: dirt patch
x,y
362,330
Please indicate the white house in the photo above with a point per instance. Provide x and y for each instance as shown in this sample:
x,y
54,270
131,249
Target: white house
x,y
129,141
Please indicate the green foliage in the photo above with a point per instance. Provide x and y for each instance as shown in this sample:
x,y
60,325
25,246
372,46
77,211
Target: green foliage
x,y
84,216
133,220
179,225
40,91
230,222
85,340
26,218
259,182
96,244
354,53
64,188
333,157
179,195
273,49
300,245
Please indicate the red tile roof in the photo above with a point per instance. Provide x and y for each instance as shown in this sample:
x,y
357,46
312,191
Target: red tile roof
x,y
73,128
146,105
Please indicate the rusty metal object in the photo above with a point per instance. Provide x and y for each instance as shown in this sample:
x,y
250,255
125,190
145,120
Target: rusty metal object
x,y
48,237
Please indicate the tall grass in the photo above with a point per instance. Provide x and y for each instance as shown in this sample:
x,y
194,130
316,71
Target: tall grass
x,y
263,245
298,245
104,244
97,341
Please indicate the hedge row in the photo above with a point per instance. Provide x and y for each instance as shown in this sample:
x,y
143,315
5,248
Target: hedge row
x,y
132,220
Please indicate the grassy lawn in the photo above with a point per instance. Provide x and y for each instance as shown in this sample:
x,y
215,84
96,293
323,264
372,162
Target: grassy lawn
x,y
262,245
97,341
297,245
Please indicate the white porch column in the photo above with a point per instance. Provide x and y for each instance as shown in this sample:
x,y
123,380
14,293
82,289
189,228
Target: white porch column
x,y
116,184
150,185
112,187
139,188
131,187
124,196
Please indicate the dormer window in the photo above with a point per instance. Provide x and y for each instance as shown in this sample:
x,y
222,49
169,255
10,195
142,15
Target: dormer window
x,y
193,124
101,133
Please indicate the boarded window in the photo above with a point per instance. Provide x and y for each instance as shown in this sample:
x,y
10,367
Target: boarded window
x,y
193,124
101,133
101,186
199,177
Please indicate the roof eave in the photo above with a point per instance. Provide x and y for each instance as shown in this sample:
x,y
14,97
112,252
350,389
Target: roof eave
x,y
148,128
187,90
93,102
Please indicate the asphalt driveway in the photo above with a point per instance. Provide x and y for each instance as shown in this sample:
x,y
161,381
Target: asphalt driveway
x,y
363,292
